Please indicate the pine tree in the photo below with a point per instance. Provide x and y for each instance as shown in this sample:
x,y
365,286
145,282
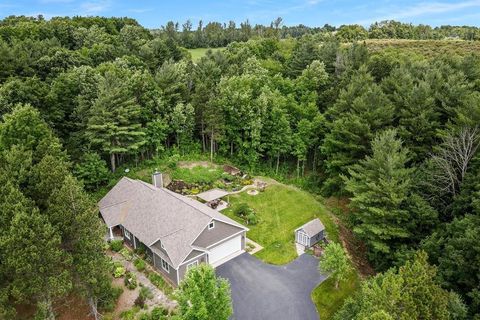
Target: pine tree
x,y
113,125
380,185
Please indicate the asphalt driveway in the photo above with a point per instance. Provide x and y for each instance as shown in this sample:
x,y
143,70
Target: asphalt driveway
x,y
263,291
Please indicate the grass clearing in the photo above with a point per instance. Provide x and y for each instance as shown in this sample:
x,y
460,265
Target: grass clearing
x,y
281,209
328,300
198,53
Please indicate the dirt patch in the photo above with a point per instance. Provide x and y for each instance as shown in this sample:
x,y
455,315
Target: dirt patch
x,y
126,300
193,164
252,192
355,248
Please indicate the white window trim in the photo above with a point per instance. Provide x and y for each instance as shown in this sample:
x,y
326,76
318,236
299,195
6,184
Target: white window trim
x,y
164,263
127,234
192,264
161,245
211,225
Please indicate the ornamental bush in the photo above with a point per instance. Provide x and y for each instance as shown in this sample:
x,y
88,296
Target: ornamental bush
x,y
116,245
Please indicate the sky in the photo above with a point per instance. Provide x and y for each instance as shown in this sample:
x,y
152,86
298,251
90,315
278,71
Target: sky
x,y
155,13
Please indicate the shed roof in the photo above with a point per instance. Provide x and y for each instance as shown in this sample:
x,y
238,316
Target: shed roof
x,y
312,227
212,194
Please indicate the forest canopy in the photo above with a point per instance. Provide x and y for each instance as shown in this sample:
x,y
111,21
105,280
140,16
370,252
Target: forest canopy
x,y
394,130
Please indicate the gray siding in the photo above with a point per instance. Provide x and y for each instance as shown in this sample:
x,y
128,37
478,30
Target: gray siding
x,y
171,274
316,238
182,269
221,231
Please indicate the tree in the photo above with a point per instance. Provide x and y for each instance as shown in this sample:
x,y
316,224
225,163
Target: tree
x,y
181,122
113,125
201,295
380,185
335,261
412,292
92,170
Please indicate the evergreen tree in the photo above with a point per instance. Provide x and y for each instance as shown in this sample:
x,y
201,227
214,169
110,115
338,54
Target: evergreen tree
x,y
113,125
380,185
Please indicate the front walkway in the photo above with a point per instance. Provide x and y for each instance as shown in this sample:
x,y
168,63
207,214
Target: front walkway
x,y
159,298
268,292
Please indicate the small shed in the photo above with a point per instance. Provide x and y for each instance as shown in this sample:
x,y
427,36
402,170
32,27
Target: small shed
x,y
310,233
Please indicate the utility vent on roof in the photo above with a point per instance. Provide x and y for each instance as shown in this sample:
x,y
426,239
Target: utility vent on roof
x,y
157,179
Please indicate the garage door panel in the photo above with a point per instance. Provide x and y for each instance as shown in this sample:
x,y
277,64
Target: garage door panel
x,y
225,249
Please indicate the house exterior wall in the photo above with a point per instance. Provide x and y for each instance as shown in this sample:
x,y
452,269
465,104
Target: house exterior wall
x,y
125,239
221,231
182,269
316,238
170,275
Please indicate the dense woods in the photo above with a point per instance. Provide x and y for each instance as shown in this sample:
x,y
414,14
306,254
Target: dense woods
x,y
393,130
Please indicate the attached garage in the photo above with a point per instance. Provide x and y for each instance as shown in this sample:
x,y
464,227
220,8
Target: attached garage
x,y
224,249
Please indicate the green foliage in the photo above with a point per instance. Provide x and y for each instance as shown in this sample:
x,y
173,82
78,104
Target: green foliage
x,y
92,171
160,283
119,271
130,280
380,185
139,264
412,292
335,261
201,295
126,253
130,314
116,245
242,209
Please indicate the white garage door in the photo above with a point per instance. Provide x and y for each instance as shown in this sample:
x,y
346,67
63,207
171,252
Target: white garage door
x,y
225,249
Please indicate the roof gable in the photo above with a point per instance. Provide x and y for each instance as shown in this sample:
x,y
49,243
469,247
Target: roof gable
x,y
153,214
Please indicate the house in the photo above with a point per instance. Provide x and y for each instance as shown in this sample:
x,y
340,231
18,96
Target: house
x,y
177,232
310,233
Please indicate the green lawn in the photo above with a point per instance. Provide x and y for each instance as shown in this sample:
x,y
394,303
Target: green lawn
x,y
328,299
281,209
198,53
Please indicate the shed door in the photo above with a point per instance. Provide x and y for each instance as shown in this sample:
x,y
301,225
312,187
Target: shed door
x,y
302,238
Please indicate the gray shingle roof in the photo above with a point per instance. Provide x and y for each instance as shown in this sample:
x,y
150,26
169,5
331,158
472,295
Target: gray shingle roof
x,y
313,227
153,214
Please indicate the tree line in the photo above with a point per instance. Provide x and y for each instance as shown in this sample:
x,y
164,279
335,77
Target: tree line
x,y
396,133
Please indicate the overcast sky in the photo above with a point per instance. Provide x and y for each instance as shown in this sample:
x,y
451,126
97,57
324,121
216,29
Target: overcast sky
x,y
154,13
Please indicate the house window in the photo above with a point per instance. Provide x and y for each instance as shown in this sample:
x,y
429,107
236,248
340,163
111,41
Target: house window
x,y
211,225
127,234
165,265
192,264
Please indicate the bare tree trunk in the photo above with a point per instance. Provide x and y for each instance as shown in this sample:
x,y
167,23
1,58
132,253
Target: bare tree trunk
x,y
336,284
112,161
211,146
204,143
92,302
314,165
231,148
453,159
298,167
278,163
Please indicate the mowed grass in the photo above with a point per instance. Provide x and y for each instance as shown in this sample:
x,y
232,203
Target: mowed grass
x,y
198,53
281,209
328,300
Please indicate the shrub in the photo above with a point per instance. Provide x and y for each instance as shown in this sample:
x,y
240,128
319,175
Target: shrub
x,y
119,272
140,301
127,254
160,283
252,218
247,182
158,313
130,280
228,177
129,314
140,250
139,264
109,299
146,293
242,210
116,245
